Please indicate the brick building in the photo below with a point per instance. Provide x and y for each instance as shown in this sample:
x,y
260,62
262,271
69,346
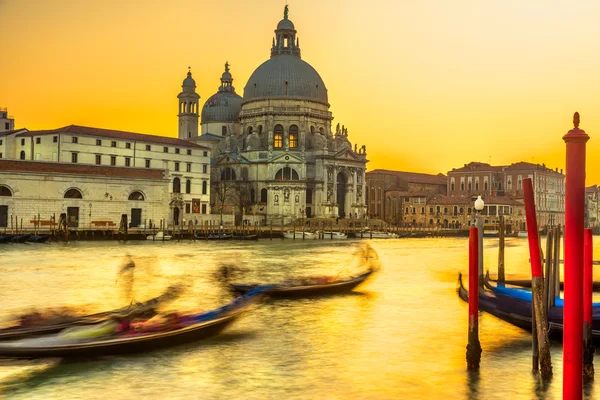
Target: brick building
x,y
390,193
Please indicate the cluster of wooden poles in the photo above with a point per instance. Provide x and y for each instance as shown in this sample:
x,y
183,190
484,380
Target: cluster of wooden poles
x,y
578,278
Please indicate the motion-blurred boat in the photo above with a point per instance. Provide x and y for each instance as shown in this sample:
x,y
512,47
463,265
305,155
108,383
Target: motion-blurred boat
x,y
32,326
107,338
320,285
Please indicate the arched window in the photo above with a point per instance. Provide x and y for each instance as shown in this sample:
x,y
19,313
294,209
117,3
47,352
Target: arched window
x,y
263,195
188,186
137,196
293,136
204,186
286,174
278,136
5,191
252,196
176,185
228,174
259,130
249,130
73,194
321,131
22,156
312,130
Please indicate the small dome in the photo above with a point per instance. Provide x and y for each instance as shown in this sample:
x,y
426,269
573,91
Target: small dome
x,y
285,24
189,81
223,106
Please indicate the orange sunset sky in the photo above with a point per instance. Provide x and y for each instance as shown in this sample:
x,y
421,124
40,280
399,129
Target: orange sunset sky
x,y
426,85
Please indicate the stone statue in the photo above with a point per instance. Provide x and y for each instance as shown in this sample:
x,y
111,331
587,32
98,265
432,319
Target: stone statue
x,y
355,145
343,130
226,66
285,12
337,129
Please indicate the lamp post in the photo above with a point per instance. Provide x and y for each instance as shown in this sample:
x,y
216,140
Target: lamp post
x,y
479,204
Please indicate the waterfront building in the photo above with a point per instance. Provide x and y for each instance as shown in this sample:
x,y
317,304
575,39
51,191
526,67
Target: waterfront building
x,y
277,157
592,211
185,165
478,178
458,212
397,196
91,197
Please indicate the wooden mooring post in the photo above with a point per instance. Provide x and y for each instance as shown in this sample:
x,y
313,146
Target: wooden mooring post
x,y
537,282
473,345
501,277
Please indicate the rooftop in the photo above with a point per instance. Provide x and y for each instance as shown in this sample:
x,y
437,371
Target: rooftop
x,y
413,177
89,131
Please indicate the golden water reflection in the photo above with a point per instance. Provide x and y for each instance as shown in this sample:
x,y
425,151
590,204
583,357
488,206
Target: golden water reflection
x,y
403,335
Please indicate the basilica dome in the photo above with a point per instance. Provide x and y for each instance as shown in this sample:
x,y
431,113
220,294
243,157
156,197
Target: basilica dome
x,y
285,74
225,105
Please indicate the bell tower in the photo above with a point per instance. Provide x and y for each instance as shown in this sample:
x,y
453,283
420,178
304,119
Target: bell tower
x,y
188,108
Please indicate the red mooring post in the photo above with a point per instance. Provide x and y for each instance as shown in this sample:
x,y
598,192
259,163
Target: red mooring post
x,y
588,287
537,282
574,217
473,346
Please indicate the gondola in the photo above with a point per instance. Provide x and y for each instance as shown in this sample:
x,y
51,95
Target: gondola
x,y
219,236
20,238
187,329
6,238
308,286
518,311
526,283
147,308
38,238
245,237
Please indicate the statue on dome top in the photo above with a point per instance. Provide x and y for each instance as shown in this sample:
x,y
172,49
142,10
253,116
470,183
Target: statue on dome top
x,y
285,12
226,66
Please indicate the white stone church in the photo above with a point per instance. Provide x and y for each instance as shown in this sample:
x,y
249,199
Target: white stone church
x,y
278,139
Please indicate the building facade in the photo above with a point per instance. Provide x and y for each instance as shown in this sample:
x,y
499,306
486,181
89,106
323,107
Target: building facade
x,y
185,164
592,211
478,178
391,193
36,193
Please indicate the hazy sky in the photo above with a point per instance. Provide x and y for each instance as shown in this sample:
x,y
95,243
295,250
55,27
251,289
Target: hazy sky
x,y
426,85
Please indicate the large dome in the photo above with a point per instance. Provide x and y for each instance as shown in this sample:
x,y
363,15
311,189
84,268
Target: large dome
x,y
286,76
222,107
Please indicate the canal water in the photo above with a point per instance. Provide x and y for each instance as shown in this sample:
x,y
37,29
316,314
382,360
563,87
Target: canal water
x,y
401,336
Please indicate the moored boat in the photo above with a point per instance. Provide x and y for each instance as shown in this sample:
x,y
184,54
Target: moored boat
x,y
522,234
379,235
38,238
300,235
20,238
159,236
108,339
219,236
334,235
517,311
5,238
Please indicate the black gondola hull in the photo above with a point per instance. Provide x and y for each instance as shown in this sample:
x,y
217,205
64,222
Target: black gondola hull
x,y
121,345
518,312
282,291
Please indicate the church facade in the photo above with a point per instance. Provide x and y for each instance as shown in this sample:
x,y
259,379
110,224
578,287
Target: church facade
x,y
275,153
